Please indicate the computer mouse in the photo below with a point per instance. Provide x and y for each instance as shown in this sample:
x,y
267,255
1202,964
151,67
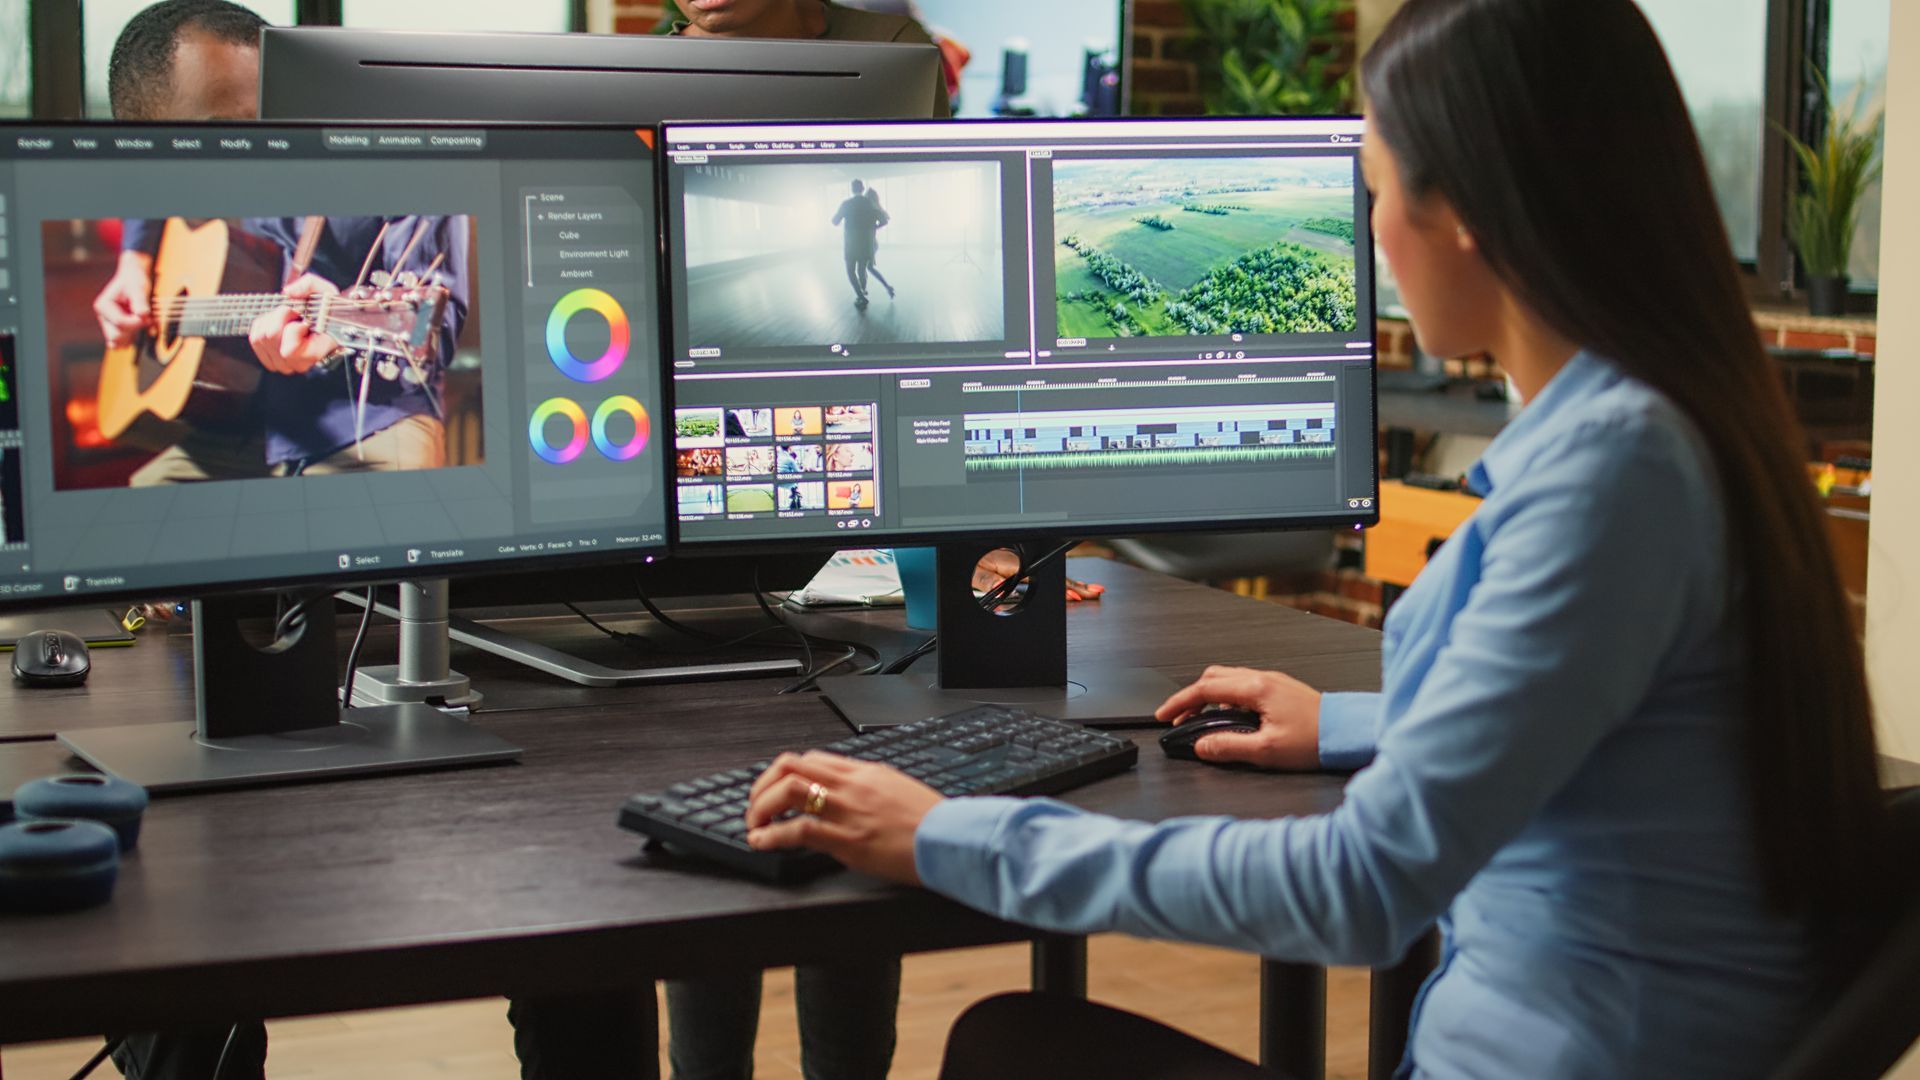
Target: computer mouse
x,y
1178,742
51,658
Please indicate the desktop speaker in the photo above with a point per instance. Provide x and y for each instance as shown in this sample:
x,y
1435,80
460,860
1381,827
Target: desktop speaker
x,y
118,804
49,865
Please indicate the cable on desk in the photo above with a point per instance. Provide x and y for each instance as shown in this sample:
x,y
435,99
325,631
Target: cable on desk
x,y
617,635
353,669
641,641
901,664
233,1033
803,641
672,624
989,600
997,595
811,678
289,618
99,1056
760,598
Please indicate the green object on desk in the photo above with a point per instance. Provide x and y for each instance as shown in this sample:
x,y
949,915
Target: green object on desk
x,y
97,627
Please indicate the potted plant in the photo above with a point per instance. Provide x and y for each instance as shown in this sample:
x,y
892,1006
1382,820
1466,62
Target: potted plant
x,y
1271,57
1835,173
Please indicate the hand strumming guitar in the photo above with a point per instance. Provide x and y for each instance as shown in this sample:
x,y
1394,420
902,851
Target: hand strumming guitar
x,y
283,341
125,306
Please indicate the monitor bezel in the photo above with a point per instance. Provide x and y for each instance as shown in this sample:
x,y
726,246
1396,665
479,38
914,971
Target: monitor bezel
x,y
337,581
681,546
720,58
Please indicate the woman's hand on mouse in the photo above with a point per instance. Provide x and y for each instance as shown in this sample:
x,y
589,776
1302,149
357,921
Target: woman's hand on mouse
x,y
1289,735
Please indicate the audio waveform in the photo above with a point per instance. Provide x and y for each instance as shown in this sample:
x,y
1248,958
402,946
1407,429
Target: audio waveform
x,y
1136,459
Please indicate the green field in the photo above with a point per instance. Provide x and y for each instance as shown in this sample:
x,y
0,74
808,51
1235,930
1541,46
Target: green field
x,y
1200,244
749,500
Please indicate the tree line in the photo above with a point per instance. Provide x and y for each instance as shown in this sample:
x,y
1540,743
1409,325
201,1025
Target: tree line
x,y
1282,289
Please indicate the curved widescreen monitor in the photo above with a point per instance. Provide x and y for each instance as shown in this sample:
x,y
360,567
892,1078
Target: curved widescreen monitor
x,y
463,368
323,74
885,333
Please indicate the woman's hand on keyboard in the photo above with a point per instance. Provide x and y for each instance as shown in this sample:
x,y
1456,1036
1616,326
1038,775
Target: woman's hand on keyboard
x,y
867,820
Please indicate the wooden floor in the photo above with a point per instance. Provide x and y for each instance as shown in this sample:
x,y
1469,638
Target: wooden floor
x,y
942,294
1210,993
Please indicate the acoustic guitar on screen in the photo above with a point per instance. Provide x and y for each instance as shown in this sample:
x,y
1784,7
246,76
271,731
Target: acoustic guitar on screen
x,y
180,373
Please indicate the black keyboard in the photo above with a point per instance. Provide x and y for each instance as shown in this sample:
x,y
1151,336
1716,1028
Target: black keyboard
x,y
981,751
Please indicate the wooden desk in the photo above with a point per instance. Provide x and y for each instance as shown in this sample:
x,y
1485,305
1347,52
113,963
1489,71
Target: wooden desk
x,y
513,879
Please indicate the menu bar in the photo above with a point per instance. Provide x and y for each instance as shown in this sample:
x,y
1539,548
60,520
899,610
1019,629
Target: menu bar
x,y
1026,132
410,139
27,142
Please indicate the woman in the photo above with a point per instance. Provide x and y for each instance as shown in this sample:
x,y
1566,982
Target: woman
x,y
1623,752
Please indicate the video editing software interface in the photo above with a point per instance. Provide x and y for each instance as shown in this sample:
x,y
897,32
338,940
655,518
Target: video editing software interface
x,y
927,328
248,354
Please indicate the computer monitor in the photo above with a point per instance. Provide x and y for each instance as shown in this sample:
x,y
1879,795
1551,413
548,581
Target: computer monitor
x,y
473,383
328,74
954,333
1061,58
316,74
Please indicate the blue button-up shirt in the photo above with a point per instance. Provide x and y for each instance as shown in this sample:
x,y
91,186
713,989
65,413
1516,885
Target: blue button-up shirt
x,y
1551,771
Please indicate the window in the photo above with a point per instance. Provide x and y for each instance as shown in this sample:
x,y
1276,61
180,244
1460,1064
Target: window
x,y
1857,71
1722,53
15,99
554,15
101,22
1719,53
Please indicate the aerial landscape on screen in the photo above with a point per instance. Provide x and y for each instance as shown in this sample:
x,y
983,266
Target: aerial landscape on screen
x,y
1174,247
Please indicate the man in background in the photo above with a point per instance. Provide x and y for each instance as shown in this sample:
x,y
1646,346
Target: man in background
x,y
846,1010
188,60
185,60
191,60
802,20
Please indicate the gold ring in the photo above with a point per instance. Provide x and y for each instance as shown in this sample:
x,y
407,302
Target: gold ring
x,y
816,800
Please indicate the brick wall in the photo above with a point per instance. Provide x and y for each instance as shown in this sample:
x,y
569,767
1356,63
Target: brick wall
x,y
635,16
1165,78
1166,81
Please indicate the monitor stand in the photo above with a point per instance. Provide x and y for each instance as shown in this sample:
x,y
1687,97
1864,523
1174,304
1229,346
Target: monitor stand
x,y
426,627
272,715
1016,658
423,670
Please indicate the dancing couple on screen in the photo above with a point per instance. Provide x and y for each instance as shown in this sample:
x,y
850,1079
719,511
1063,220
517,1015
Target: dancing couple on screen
x,y
861,219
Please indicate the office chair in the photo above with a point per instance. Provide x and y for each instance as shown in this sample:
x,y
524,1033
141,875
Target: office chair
x,y
1876,1015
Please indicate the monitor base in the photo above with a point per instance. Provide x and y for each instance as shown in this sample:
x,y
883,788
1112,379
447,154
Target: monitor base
x,y
386,685
582,672
423,671
574,669
1096,697
393,738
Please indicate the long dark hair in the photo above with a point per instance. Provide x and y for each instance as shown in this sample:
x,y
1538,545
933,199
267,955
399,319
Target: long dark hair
x,y
1558,134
